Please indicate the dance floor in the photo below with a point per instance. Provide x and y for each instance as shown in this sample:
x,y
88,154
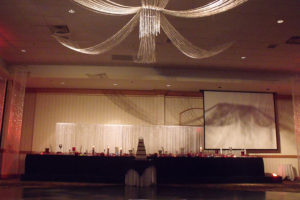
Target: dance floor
x,y
17,190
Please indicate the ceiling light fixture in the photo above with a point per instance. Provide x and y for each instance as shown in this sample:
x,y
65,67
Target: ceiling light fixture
x,y
243,57
280,21
151,17
23,51
71,11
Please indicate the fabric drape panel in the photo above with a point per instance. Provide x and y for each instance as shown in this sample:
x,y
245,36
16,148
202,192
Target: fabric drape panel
x,y
296,104
2,96
85,136
12,139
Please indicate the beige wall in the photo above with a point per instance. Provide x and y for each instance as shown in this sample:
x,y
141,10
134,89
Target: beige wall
x,y
27,128
28,122
176,105
287,136
50,109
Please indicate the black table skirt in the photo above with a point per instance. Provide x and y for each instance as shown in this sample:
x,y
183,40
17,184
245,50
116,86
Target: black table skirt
x,y
169,170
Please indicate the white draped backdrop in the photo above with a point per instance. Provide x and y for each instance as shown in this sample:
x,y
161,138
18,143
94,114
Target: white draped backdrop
x,y
85,136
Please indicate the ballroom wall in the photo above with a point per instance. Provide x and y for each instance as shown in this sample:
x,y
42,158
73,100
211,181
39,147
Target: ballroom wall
x,y
287,136
44,110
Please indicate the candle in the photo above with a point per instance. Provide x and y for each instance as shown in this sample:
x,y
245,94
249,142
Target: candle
x,y
120,151
201,149
93,150
107,151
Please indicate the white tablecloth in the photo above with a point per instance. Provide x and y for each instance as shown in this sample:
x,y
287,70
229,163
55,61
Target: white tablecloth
x,y
287,171
148,178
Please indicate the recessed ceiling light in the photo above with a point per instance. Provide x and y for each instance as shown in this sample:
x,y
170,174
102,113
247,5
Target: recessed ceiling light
x,y
115,84
23,50
280,21
168,85
71,11
243,57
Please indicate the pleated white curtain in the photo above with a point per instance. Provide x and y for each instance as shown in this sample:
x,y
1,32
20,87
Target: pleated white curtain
x,y
85,136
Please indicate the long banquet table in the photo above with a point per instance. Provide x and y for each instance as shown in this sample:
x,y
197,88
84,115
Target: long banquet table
x,y
168,169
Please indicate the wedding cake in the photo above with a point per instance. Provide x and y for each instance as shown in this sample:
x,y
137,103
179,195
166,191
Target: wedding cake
x,y
141,151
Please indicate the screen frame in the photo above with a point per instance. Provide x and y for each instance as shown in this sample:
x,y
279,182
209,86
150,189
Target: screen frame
x,y
278,146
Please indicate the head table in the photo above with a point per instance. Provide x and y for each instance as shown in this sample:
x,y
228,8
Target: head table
x,y
168,169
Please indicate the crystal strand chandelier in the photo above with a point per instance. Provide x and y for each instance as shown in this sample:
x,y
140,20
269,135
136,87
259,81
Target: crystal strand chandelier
x,y
151,18
149,29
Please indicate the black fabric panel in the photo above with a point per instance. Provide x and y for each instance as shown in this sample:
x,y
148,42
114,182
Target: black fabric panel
x,y
113,169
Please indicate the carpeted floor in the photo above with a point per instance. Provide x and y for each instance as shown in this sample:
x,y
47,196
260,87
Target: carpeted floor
x,y
21,190
286,186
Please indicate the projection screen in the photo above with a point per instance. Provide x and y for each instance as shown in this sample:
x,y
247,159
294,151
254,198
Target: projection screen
x,y
239,120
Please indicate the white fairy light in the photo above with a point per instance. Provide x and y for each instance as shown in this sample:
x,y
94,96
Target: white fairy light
x,y
108,7
149,29
187,47
212,8
104,46
151,18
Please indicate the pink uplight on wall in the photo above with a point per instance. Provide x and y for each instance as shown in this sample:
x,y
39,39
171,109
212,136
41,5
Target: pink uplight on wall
x,y
12,136
2,96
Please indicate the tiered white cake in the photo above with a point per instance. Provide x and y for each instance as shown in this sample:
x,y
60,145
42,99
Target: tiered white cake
x,y
141,151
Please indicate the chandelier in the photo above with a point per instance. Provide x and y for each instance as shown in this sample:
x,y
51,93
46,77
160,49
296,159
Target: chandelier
x,y
150,16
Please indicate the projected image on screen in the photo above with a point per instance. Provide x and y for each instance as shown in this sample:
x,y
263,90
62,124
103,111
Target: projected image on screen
x,y
239,120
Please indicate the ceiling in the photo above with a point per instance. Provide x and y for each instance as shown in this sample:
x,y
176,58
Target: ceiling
x,y
24,24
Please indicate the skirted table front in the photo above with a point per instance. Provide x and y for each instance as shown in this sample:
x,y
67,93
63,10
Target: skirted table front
x,y
168,169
